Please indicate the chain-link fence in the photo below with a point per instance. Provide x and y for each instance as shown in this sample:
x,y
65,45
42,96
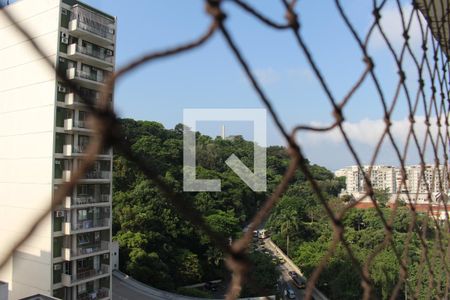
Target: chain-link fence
x,y
431,91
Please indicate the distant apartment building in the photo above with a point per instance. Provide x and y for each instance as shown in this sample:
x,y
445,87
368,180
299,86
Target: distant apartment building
x,y
44,132
388,178
382,178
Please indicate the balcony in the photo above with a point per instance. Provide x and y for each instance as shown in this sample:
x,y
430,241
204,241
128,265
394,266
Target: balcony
x,y
86,226
83,276
90,56
76,125
91,26
73,100
88,79
81,252
99,294
86,201
97,175
77,150
73,150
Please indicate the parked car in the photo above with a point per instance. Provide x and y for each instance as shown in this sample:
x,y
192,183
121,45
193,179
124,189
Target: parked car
x,y
263,233
289,293
300,282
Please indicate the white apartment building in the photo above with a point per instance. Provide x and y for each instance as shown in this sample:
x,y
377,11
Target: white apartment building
x,y
43,134
390,179
382,178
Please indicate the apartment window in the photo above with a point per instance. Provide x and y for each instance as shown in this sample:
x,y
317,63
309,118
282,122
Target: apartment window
x,y
97,236
65,18
83,142
81,288
61,92
85,190
59,168
105,189
57,271
60,139
83,239
57,246
59,293
57,222
82,214
83,116
60,116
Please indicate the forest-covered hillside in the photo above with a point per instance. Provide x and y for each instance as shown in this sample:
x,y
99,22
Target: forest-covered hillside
x,y
161,249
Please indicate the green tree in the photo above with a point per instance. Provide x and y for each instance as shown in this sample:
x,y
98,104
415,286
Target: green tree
x,y
262,276
289,222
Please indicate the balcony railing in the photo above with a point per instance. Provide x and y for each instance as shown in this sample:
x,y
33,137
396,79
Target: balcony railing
x,y
102,246
70,149
68,280
104,32
98,294
84,274
93,53
85,250
87,199
88,224
89,76
92,77
97,174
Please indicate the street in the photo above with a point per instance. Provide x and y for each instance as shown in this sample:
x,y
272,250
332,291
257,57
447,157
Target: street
x,y
284,270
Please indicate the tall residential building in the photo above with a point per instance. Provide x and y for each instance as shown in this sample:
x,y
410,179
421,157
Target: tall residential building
x,y
388,178
44,131
382,178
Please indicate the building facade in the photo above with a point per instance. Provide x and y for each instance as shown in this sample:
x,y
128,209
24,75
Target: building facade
x,y
388,178
44,131
382,178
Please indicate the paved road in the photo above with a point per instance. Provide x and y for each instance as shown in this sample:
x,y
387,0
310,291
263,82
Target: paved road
x,y
299,293
287,280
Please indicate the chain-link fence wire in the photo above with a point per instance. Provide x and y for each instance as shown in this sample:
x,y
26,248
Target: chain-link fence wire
x,y
430,66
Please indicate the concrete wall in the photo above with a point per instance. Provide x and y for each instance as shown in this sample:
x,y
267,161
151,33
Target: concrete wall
x,y
27,110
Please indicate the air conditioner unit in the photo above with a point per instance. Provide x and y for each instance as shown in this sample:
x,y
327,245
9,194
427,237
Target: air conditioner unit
x,y
61,89
64,35
64,40
109,52
59,213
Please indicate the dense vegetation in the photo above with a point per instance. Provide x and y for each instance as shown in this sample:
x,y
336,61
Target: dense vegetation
x,y
302,228
158,247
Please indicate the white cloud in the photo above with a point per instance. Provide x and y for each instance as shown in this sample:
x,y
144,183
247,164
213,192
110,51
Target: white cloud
x,y
271,76
329,149
267,76
391,23
368,132
300,74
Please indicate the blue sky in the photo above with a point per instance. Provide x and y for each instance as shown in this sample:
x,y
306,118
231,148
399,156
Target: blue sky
x,y
209,77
